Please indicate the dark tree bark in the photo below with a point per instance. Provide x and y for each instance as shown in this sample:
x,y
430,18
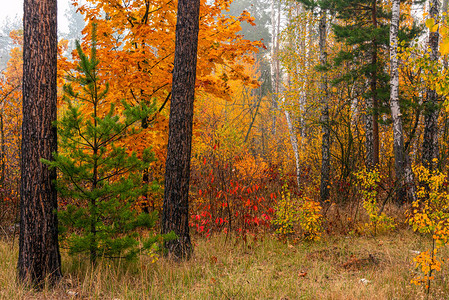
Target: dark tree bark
x,y
39,257
431,110
374,161
325,126
175,215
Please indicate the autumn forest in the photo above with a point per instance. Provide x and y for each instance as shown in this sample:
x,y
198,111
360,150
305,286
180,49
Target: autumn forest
x,y
225,149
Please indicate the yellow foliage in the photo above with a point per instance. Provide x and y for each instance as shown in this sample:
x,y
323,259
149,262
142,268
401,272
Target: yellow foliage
x,y
430,215
369,181
291,212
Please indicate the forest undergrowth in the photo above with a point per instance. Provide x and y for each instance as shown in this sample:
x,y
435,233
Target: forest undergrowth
x,y
355,265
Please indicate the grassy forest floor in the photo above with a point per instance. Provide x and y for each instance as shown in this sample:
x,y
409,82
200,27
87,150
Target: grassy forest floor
x,y
337,267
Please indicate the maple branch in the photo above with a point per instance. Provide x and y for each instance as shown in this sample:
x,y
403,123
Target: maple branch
x,y
155,91
134,96
160,7
145,16
9,93
168,55
147,13
160,109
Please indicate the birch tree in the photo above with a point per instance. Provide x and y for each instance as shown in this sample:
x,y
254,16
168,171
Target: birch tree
x,y
404,175
275,72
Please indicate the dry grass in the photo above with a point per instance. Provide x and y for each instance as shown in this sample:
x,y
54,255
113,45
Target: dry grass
x,y
266,269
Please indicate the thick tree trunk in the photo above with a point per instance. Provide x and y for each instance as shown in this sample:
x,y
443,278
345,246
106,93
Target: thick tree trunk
x,y
39,257
175,215
325,129
431,110
404,174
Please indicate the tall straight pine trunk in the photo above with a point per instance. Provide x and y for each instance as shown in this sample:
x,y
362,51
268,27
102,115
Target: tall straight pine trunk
x,y
372,127
404,174
39,257
325,129
175,215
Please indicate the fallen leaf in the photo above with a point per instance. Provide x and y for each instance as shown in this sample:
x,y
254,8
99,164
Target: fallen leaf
x,y
302,274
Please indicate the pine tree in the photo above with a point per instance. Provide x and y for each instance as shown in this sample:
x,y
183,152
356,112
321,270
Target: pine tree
x,y
39,257
100,179
367,38
175,214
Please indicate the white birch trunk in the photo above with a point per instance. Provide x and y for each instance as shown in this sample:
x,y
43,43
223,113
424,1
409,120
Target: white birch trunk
x,y
294,143
292,128
404,175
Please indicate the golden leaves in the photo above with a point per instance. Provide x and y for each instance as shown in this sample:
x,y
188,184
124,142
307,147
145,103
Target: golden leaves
x,y
432,25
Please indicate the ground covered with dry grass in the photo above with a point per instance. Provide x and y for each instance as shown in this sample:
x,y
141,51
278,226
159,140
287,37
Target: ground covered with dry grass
x,y
344,267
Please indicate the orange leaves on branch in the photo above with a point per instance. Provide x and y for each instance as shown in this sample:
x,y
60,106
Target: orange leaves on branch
x,y
246,17
136,41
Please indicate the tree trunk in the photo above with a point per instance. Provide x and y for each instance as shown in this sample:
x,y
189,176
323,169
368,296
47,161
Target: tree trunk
x,y
325,142
294,143
3,149
273,69
293,139
369,137
175,215
39,257
431,111
375,104
404,174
